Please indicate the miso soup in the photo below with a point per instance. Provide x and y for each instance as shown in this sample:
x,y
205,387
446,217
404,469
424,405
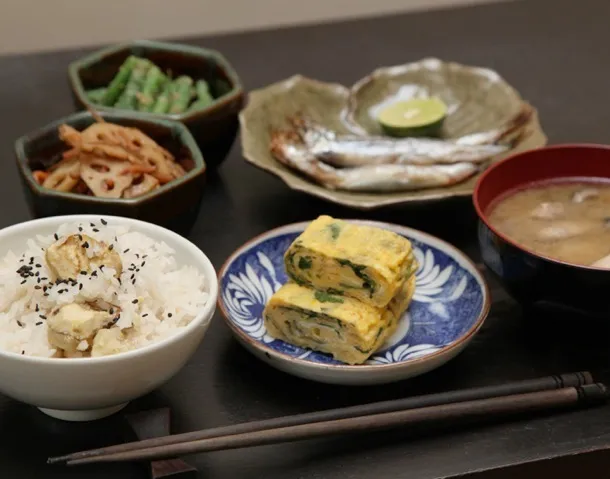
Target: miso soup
x,y
565,220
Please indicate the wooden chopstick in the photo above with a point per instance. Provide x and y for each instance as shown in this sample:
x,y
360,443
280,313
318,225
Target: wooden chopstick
x,y
470,394
582,396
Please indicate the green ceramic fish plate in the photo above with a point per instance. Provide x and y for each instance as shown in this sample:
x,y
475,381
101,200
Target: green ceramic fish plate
x,y
477,100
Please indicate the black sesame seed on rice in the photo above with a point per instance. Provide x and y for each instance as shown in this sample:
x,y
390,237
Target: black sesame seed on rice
x,y
94,273
20,324
126,251
83,272
104,222
80,286
135,301
37,287
56,236
22,352
80,228
169,315
85,244
143,263
37,308
133,281
80,237
38,323
111,247
42,316
144,315
95,230
24,281
111,310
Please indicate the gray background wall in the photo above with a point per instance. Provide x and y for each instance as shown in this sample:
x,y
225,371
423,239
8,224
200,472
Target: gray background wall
x,y
39,25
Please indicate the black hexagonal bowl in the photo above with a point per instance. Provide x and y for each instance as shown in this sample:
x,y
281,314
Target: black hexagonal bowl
x,y
174,205
213,127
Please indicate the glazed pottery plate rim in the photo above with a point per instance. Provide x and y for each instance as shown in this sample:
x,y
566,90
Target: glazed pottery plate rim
x,y
199,321
93,57
534,138
184,137
298,227
483,217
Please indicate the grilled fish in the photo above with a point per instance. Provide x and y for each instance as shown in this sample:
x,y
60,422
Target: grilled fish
x,y
379,177
355,151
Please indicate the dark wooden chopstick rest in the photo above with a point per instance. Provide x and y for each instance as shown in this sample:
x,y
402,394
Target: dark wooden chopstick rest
x,y
481,409
517,387
157,423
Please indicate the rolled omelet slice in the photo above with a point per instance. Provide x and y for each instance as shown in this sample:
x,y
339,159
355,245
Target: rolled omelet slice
x,y
362,262
348,329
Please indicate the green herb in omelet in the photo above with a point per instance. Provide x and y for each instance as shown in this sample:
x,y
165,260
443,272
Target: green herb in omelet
x,y
335,230
358,269
327,298
304,262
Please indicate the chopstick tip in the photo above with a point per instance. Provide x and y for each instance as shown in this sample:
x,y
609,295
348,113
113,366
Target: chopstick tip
x,y
57,459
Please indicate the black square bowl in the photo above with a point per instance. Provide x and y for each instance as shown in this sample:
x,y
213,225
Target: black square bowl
x,y
213,127
174,205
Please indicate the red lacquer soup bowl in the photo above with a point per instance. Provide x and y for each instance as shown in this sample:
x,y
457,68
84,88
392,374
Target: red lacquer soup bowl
x,y
529,277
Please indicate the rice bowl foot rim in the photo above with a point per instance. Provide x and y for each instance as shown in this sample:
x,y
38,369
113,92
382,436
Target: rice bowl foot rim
x,y
84,415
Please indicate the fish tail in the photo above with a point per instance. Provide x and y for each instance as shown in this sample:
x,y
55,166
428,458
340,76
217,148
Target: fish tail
x,y
514,132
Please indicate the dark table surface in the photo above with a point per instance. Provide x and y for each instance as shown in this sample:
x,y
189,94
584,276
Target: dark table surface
x,y
553,51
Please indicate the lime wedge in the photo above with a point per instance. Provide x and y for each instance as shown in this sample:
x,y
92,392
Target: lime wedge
x,y
417,117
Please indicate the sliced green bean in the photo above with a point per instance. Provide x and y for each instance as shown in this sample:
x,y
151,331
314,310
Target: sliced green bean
x,y
180,94
129,98
119,82
153,84
96,95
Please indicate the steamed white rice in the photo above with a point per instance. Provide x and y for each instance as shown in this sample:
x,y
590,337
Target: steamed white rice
x,y
169,296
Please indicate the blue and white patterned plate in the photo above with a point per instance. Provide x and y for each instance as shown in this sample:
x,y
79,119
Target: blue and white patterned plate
x,y
450,304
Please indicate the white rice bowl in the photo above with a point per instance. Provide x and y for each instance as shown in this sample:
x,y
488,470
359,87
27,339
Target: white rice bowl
x,y
168,297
